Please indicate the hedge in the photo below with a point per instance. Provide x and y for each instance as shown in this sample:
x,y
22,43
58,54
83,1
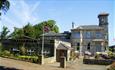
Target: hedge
x,y
99,62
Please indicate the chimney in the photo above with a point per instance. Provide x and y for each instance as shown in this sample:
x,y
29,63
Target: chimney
x,y
73,25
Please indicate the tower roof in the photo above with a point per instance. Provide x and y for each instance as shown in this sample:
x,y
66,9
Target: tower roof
x,y
103,14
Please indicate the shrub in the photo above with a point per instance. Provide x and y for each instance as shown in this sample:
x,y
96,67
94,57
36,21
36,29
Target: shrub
x,y
23,50
33,59
74,55
112,66
5,53
1,48
97,56
111,55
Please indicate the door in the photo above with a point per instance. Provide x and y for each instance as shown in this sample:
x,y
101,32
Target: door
x,y
98,47
60,53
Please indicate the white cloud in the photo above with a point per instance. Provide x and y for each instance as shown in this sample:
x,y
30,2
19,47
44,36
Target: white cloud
x,y
20,14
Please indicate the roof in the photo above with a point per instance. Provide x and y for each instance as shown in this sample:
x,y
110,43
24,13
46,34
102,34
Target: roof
x,y
103,14
98,39
63,47
113,46
89,27
65,40
53,34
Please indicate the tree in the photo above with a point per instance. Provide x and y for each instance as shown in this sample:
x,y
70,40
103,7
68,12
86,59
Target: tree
x,y
36,30
29,30
51,24
4,5
4,33
18,33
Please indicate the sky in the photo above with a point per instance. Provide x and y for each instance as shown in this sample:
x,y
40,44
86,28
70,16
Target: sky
x,y
64,12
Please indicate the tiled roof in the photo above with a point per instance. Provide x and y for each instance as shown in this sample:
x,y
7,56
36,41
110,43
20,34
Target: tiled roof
x,y
53,34
63,47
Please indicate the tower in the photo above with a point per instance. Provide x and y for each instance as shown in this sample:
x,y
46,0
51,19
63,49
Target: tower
x,y
103,19
103,22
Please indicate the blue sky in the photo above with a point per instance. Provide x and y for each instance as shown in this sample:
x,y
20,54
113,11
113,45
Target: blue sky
x,y
64,12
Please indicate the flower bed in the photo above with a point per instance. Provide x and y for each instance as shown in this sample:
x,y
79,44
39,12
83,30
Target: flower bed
x,y
33,59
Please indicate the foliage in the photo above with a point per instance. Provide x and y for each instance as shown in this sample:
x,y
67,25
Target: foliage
x,y
97,56
34,31
1,48
111,67
4,5
111,55
29,30
23,50
73,55
33,59
111,49
18,33
108,55
5,53
4,33
53,26
50,23
97,62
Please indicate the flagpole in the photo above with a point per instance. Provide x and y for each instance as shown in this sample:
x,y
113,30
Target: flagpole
x,y
42,61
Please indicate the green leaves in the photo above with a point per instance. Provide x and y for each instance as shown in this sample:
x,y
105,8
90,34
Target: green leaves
x,y
4,33
18,33
4,5
34,31
29,30
50,23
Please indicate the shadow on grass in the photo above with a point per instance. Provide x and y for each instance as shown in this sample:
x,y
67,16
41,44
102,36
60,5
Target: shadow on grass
x,y
8,68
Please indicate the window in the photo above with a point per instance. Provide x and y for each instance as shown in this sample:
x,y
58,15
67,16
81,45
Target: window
x,y
78,46
76,35
99,35
88,46
87,34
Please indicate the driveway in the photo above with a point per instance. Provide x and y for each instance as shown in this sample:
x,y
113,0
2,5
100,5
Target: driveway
x,y
10,64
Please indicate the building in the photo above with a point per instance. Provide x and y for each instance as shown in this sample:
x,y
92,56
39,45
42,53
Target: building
x,y
52,35
55,46
92,38
62,44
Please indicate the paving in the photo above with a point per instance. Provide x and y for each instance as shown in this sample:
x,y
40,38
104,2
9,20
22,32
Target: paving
x,y
10,64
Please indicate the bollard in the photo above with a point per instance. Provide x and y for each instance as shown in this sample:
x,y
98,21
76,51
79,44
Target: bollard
x,y
63,62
